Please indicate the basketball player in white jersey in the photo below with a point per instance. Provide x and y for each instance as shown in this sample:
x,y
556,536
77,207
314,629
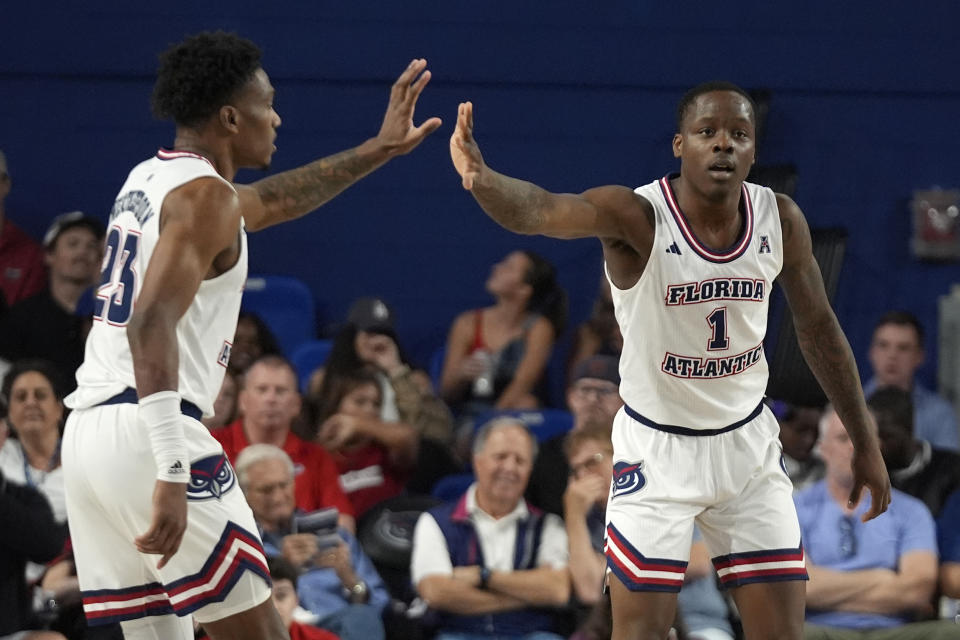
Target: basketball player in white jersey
x,y
159,527
691,259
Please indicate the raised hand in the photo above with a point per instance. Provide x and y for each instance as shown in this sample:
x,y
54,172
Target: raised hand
x,y
398,133
168,523
463,148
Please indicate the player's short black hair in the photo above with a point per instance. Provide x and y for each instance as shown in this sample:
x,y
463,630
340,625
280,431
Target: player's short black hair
x,y
903,319
707,87
199,75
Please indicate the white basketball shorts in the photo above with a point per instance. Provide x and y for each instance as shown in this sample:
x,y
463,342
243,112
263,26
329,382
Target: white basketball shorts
x,y
729,481
219,569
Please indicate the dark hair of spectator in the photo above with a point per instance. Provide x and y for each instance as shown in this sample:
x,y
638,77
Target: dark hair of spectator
x,y
266,339
547,299
893,408
201,74
335,388
903,319
709,87
20,367
280,569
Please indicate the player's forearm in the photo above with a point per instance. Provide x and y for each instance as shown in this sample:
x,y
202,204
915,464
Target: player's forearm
x,y
586,565
152,335
543,586
456,596
828,354
295,193
514,204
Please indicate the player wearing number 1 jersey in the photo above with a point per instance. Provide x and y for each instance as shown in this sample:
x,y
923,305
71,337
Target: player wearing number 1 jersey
x,y
143,475
691,259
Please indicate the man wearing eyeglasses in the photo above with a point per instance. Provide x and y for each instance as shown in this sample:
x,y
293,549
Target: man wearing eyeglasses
x,y
593,398
868,580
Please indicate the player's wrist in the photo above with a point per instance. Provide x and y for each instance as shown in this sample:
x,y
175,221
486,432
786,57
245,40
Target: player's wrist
x,y
161,417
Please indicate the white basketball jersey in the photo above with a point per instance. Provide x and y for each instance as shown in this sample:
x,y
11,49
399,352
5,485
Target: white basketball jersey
x,y
204,333
694,324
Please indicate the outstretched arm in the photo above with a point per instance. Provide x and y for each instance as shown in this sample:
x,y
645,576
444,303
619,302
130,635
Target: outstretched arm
x,y
826,350
295,193
523,207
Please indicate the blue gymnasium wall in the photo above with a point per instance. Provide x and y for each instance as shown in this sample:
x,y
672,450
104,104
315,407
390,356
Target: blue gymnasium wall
x,y
570,95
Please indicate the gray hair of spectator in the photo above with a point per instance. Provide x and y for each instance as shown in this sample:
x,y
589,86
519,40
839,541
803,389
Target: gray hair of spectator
x,y
258,453
503,422
829,411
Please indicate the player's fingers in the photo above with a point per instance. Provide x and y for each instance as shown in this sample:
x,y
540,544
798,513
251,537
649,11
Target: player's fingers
x,y
417,87
427,128
402,85
469,114
170,550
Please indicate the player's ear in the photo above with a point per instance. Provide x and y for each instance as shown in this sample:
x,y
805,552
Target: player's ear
x,y
677,145
228,117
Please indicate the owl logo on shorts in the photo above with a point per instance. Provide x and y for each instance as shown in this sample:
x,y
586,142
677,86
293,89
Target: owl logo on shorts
x,y
210,477
627,478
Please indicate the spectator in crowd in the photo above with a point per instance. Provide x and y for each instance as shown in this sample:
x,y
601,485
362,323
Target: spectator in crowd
x,y
594,399
488,563
799,430
53,323
338,582
374,457
590,454
948,540
496,356
369,339
285,576
252,340
916,467
600,334
896,353
225,406
22,269
871,577
33,395
270,404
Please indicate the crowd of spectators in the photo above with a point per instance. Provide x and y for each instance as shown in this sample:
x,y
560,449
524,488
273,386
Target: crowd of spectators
x,y
516,550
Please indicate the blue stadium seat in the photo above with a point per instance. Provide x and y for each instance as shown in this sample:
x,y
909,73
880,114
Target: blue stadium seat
x,y
452,487
544,423
307,357
285,304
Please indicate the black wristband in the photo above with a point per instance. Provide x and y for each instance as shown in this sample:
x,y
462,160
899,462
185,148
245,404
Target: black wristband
x,y
484,577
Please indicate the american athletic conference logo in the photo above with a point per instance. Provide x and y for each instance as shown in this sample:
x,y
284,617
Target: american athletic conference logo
x,y
210,477
628,478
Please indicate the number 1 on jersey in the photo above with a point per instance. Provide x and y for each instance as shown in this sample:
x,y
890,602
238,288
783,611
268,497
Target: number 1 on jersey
x,y
718,324
118,280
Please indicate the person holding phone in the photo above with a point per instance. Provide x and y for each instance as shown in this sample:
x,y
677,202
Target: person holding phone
x,y
338,582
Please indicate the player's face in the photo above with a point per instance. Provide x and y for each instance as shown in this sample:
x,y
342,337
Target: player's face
x,y
34,409
503,466
285,600
593,402
269,399
76,256
716,142
362,402
799,434
270,493
257,123
510,274
895,355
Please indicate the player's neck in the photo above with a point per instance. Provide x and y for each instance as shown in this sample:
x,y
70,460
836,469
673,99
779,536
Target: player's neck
x,y
193,142
708,210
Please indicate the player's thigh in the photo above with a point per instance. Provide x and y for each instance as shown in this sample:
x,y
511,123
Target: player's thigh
x,y
641,615
771,610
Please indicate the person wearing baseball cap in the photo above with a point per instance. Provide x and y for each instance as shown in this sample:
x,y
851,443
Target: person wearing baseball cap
x,y
22,270
53,324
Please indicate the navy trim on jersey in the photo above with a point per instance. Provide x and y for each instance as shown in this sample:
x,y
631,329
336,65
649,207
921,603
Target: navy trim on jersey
x,y
129,396
686,431
733,252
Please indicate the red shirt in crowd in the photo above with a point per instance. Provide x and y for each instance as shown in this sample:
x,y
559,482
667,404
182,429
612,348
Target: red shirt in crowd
x,y
23,271
317,482
367,476
306,632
